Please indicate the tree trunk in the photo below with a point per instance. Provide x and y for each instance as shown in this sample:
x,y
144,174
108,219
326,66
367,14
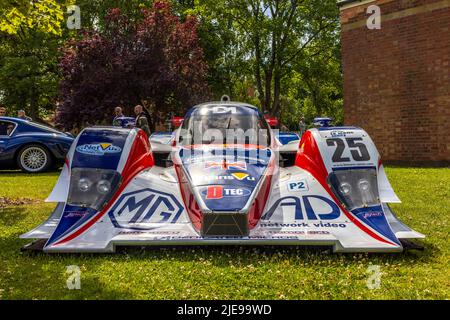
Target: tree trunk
x,y
268,85
276,92
261,95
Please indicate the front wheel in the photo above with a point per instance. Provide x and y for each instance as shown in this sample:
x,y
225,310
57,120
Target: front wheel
x,y
34,158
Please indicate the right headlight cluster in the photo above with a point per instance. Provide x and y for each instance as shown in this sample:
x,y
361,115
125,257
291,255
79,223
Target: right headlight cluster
x,y
355,188
92,188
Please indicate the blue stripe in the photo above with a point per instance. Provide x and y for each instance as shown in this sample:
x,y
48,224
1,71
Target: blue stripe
x,y
72,218
375,218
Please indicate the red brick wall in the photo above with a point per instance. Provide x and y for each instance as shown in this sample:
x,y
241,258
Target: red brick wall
x,y
397,78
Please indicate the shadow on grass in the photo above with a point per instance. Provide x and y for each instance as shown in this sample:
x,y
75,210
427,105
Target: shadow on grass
x,y
248,254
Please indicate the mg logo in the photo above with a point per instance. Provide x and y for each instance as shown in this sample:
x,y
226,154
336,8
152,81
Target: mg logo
x,y
139,210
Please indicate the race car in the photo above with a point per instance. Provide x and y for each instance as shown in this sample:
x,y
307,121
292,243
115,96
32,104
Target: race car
x,y
223,177
31,146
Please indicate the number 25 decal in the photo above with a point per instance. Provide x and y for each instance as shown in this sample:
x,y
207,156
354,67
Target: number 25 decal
x,y
357,149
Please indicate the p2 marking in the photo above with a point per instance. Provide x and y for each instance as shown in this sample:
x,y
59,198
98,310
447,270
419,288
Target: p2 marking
x,y
300,185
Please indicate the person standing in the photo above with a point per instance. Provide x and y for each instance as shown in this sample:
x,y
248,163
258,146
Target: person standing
x,y
302,126
21,115
142,119
3,125
119,113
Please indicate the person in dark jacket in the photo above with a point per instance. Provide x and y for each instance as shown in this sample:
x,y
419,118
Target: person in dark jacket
x,y
142,119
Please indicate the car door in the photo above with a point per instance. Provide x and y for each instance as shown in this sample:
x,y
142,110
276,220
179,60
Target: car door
x,y
6,130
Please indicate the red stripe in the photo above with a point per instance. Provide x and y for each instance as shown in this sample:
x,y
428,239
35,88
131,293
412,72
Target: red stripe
x,y
256,210
191,205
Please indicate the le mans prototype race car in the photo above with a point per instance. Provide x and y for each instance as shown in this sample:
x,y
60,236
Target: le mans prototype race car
x,y
194,187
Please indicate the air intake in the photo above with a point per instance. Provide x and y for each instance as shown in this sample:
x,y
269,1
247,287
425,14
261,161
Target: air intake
x,y
225,224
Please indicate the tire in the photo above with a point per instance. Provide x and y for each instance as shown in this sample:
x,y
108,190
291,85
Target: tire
x,y
34,158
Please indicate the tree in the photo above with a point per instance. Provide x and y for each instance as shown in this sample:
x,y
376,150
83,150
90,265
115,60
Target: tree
x,y
30,33
28,75
155,59
272,35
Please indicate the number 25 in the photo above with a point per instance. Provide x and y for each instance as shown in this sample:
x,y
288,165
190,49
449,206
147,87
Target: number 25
x,y
358,154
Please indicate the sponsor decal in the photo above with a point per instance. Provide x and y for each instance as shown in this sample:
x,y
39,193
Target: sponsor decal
x,y
315,207
159,232
301,185
228,177
219,192
240,175
214,192
98,149
338,133
225,165
304,225
224,109
141,210
372,214
71,214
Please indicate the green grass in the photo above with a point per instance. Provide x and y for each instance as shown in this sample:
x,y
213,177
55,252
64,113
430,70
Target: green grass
x,y
232,273
16,184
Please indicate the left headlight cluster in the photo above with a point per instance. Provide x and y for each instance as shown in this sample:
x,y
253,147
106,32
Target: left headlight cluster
x,y
92,188
355,188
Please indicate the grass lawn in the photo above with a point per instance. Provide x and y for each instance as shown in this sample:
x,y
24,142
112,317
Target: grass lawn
x,y
231,273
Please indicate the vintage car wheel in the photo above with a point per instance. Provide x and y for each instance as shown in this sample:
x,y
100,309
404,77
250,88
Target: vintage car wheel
x,y
34,158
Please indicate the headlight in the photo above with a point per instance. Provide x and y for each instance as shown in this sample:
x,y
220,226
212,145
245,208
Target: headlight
x,y
345,188
92,188
84,184
103,186
355,188
364,185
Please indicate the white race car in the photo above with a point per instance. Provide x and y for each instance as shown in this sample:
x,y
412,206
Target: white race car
x,y
193,187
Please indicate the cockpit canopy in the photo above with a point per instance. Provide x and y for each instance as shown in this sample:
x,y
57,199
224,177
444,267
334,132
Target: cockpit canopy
x,y
224,124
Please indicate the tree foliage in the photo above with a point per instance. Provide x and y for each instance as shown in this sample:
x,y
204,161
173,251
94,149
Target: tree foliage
x,y
30,33
18,16
282,55
156,59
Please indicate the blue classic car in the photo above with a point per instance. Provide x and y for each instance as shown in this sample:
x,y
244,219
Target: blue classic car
x,y
31,146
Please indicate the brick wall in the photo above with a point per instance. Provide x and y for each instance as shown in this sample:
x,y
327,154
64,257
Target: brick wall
x,y
397,78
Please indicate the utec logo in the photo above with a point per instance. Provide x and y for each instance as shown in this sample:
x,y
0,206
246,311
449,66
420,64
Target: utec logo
x,y
98,149
140,210
219,192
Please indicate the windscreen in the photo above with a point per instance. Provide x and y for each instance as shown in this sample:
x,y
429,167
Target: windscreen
x,y
225,125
